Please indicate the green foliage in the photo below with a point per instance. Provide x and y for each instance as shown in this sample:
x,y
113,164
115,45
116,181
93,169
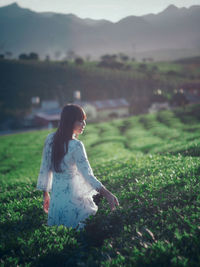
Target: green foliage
x,y
150,162
50,80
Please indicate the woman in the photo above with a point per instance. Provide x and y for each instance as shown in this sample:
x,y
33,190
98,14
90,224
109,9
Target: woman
x,y
66,172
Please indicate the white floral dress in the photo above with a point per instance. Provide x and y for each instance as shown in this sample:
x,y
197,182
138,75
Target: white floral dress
x,y
71,194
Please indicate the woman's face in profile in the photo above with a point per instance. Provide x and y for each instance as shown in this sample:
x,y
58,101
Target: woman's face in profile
x,y
79,127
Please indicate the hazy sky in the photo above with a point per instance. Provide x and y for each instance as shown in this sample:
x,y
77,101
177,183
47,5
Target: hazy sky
x,y
112,10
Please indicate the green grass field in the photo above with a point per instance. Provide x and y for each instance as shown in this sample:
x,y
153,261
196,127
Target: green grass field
x,y
150,162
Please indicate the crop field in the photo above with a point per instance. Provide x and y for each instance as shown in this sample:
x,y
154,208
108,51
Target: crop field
x,y
150,162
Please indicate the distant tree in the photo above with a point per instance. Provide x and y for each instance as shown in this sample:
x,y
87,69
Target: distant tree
x,y
33,56
71,55
133,59
2,56
109,58
110,61
23,56
123,57
142,67
79,61
114,57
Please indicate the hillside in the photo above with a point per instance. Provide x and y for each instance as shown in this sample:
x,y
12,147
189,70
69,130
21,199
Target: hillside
x,y
137,82
168,35
150,162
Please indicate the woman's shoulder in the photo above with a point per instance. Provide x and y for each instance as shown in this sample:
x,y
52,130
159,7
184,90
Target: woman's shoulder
x,y
50,135
73,145
75,141
49,138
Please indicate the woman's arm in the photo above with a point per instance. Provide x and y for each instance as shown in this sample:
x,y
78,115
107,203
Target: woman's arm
x,y
46,202
112,200
45,176
83,166
85,169
45,194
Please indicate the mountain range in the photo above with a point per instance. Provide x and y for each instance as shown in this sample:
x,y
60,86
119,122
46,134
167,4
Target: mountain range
x,y
170,34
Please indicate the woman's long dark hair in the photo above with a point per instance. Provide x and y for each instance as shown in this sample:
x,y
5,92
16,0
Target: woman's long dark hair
x,y
69,115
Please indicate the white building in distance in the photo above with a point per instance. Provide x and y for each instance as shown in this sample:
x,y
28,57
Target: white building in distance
x,y
105,109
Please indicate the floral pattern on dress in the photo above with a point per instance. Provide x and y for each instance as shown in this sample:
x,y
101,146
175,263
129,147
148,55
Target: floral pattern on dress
x,y
71,199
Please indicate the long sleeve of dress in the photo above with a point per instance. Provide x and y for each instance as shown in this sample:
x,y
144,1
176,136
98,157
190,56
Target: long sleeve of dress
x,y
45,175
84,167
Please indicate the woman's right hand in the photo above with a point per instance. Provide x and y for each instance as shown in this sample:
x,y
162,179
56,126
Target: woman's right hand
x,y
46,202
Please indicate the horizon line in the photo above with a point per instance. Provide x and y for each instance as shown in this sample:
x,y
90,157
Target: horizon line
x,y
101,19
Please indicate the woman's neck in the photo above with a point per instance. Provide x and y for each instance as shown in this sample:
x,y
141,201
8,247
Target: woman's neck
x,y
74,136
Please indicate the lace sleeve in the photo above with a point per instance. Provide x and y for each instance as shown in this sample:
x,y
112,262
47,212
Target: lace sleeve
x,y
84,167
45,175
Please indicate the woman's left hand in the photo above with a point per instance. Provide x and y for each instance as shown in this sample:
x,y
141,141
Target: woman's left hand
x,y
113,201
46,203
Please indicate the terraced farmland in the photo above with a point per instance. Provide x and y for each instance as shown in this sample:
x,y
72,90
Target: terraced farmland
x,y
150,162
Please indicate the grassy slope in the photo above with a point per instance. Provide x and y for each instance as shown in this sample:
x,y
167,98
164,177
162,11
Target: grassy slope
x,y
150,162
